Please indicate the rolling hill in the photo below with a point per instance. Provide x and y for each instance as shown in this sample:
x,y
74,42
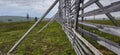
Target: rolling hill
x,y
14,19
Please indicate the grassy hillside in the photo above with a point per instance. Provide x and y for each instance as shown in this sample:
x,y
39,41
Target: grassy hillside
x,y
51,41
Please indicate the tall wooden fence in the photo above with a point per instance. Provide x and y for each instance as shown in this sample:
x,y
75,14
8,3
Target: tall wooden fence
x,y
71,16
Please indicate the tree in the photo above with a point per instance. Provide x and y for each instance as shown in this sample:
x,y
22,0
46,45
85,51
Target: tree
x,y
36,18
103,18
9,20
27,16
85,19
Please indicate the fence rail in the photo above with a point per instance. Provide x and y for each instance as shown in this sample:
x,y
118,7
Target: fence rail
x,y
114,7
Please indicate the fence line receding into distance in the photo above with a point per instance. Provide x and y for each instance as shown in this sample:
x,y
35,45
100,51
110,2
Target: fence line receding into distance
x,y
70,16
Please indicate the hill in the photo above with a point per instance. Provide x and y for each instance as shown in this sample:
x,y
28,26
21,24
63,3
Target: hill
x,y
14,19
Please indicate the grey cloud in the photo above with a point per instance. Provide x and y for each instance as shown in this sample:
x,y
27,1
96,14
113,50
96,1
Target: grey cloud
x,y
21,2
24,6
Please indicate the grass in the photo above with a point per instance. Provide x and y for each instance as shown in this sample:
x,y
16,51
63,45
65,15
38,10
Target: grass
x,y
102,34
113,38
107,22
51,41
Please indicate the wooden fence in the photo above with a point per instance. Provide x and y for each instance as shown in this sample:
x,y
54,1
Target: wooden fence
x,y
71,15
70,18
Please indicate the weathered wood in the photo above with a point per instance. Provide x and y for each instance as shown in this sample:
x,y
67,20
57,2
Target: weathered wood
x,y
69,13
90,46
107,9
84,47
102,41
78,41
103,28
73,43
88,3
108,14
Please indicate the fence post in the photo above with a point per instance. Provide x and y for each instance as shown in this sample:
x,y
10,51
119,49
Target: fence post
x,y
82,18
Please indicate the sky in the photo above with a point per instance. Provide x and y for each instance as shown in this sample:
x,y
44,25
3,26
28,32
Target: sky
x,y
36,8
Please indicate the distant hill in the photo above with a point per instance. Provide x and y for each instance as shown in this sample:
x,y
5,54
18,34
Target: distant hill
x,y
117,18
14,19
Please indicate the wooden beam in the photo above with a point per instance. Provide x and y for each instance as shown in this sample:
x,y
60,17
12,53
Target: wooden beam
x,y
102,41
111,8
103,28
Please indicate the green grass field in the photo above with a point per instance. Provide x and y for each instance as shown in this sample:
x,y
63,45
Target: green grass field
x,y
51,41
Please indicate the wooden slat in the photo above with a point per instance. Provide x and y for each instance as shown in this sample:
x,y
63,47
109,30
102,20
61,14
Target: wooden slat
x,y
73,44
88,3
90,46
71,41
102,41
111,8
79,47
85,48
114,21
103,28
80,43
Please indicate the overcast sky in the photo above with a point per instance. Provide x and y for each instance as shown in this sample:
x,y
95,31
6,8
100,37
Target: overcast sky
x,y
21,7
35,7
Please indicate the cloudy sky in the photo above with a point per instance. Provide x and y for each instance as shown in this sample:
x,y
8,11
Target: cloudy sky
x,y
21,7
35,7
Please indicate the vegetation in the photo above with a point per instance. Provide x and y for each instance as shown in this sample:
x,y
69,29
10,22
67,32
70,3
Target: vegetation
x,y
51,41
105,35
36,18
27,16
9,20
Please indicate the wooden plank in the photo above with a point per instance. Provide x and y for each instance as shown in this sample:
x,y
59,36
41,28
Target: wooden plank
x,y
70,41
90,46
73,44
103,28
80,43
111,8
84,48
79,47
102,41
108,14
88,3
